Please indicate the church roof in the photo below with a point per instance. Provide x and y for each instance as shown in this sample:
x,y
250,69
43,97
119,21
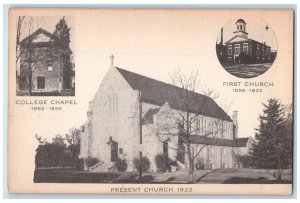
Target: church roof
x,y
241,142
241,21
148,117
158,93
40,35
197,139
237,142
236,39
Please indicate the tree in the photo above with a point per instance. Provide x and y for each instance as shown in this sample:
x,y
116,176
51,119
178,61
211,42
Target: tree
x,y
61,151
59,140
272,147
73,137
186,120
20,52
73,142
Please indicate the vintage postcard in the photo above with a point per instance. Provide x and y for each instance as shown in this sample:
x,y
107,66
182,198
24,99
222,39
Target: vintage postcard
x,y
151,101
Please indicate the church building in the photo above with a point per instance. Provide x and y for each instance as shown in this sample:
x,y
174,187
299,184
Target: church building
x,y
242,49
45,63
128,106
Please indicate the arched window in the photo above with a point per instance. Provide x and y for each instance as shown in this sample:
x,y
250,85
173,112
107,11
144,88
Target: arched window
x,y
116,105
112,103
109,106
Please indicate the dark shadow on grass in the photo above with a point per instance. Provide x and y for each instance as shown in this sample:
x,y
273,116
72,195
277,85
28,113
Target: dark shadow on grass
x,y
260,180
171,179
203,176
130,178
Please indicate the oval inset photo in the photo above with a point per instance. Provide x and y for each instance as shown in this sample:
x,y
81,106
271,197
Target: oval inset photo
x,y
246,47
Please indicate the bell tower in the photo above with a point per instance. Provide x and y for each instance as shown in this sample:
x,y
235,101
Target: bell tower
x,y
241,28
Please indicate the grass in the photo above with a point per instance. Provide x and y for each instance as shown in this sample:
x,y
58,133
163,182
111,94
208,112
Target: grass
x,y
219,176
247,70
246,176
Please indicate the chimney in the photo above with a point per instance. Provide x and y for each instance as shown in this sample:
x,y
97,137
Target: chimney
x,y
235,124
221,37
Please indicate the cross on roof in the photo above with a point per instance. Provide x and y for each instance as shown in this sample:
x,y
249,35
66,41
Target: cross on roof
x,y
112,59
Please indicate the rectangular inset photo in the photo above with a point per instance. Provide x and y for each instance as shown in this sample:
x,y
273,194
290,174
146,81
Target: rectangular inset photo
x,y
45,56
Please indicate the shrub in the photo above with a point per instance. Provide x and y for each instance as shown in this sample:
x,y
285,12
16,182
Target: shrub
x,y
160,163
244,160
121,165
145,163
79,164
91,161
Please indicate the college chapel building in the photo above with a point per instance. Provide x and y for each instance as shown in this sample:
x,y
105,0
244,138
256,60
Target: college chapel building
x,y
128,105
45,62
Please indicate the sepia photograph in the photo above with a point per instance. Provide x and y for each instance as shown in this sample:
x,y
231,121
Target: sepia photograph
x,y
141,130
168,101
44,56
246,47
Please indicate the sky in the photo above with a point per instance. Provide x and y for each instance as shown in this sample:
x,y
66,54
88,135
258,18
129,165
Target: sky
x,y
154,43
256,29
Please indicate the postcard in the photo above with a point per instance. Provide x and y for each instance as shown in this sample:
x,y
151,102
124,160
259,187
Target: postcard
x,y
151,101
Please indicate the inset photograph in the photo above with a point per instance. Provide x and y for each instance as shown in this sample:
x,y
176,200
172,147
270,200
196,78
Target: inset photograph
x,y
44,57
246,47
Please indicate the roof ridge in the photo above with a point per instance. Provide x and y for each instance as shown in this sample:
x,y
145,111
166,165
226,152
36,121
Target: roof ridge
x,y
162,82
38,31
158,92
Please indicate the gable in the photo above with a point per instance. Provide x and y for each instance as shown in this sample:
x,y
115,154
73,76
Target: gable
x,y
158,93
148,117
41,38
112,80
38,36
237,39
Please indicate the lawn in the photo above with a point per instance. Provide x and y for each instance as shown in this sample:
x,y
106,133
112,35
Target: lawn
x,y
247,70
246,176
219,176
166,178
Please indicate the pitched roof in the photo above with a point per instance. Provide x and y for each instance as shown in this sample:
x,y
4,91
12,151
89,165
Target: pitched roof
x,y
35,34
231,40
158,93
148,117
197,139
241,142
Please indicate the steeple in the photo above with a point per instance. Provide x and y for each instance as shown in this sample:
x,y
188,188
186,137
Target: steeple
x,y
241,28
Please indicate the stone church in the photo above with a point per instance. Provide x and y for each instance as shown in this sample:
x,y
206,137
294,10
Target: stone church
x,y
128,105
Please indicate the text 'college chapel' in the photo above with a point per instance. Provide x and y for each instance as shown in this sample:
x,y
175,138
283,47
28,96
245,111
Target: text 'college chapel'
x,y
128,105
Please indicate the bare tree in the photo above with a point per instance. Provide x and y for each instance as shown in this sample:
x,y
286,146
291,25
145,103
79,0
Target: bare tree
x,y
18,50
22,53
185,122
73,137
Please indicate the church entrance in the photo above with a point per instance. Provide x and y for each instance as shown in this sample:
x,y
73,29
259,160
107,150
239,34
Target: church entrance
x,y
166,155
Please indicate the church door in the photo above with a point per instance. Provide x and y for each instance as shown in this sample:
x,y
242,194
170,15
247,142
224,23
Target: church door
x,y
166,154
114,152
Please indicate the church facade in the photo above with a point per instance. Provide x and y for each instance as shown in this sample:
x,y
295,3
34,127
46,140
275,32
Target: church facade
x,y
45,62
242,49
128,105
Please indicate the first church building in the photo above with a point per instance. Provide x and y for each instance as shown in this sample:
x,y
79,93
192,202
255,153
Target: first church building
x,y
128,105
